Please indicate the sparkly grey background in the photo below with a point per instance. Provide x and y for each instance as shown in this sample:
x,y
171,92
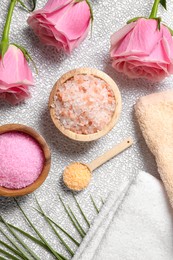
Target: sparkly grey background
x,y
110,15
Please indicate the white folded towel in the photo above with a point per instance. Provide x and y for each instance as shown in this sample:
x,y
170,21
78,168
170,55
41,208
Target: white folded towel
x,y
136,223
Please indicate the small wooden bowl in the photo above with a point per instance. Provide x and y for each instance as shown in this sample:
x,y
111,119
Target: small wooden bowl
x,y
98,74
46,167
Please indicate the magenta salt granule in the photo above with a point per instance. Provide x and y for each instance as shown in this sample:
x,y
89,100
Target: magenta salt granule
x,y
84,104
21,160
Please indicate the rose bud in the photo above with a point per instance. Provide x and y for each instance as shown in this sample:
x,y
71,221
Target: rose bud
x,y
62,23
142,50
15,76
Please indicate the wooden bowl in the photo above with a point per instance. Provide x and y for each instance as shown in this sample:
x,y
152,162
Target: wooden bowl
x,y
46,167
116,114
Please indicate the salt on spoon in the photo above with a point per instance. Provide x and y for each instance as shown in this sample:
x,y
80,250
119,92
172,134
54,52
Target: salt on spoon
x,y
77,175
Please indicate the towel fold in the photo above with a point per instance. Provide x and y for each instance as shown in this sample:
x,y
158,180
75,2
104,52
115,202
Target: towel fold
x,y
135,223
155,116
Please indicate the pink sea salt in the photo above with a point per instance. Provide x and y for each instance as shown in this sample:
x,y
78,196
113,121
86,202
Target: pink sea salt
x,y
84,104
21,160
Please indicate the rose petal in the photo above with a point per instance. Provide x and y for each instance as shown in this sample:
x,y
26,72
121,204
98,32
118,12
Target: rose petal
x,y
15,76
55,5
15,65
74,22
61,23
138,41
143,51
119,35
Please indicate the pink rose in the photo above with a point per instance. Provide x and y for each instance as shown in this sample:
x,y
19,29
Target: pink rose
x,y
15,76
61,23
141,50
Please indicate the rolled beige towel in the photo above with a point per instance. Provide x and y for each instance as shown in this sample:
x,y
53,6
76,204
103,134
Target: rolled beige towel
x,y
155,116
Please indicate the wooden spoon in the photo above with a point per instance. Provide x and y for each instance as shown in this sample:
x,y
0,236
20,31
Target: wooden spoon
x,y
77,175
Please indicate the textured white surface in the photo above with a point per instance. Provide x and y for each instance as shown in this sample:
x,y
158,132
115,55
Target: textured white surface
x,y
109,15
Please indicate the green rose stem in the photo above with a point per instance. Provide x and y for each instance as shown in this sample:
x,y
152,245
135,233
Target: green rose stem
x,y
4,44
154,10
5,36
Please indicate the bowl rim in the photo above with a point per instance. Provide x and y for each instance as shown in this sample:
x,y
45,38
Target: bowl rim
x,y
46,166
116,114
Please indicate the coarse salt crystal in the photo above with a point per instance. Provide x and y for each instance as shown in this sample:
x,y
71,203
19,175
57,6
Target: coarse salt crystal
x,y
84,104
21,160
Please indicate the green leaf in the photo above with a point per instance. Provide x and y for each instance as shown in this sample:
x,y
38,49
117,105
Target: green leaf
x,y
72,220
65,232
12,257
135,19
97,210
20,241
163,3
158,19
2,258
23,5
55,253
27,55
16,252
102,201
35,240
20,250
77,222
55,231
32,3
81,211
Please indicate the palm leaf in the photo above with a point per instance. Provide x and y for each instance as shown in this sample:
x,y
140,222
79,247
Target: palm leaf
x,y
20,241
55,253
74,217
10,256
102,201
20,250
94,204
55,231
37,241
62,229
65,232
81,211
16,252
2,258
72,220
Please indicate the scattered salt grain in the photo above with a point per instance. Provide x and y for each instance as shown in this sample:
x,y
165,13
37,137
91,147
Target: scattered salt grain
x,y
84,104
21,160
